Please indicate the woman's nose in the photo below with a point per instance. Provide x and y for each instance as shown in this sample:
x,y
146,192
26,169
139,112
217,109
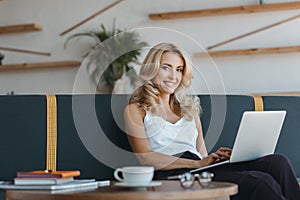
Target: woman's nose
x,y
172,74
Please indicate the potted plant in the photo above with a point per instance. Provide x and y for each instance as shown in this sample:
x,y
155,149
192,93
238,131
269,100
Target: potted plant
x,y
112,56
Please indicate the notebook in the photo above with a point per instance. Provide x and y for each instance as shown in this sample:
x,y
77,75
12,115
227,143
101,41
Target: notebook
x,y
257,136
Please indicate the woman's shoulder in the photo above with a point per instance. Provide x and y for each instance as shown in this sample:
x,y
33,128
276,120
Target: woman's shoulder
x,y
135,109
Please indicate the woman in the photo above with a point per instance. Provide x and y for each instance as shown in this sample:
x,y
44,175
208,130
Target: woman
x,y
164,130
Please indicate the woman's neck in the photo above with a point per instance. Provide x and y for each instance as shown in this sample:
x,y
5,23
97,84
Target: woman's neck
x,y
164,109
164,100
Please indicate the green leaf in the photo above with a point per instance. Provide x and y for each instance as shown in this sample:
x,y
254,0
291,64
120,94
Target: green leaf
x,y
119,42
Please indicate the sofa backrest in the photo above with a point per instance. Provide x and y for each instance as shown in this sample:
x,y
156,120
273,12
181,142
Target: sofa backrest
x,y
71,149
221,117
288,143
22,134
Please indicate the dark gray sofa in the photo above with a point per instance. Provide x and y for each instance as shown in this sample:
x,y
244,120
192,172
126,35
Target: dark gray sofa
x,y
24,129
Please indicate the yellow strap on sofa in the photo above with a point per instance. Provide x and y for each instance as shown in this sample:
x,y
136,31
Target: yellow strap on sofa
x,y
258,103
51,133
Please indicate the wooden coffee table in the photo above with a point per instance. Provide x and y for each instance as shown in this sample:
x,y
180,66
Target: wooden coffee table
x,y
168,190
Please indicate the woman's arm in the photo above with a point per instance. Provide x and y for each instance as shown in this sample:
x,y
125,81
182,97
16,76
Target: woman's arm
x,y
200,140
137,137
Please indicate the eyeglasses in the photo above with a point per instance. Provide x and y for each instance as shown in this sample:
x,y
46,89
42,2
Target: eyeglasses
x,y
187,179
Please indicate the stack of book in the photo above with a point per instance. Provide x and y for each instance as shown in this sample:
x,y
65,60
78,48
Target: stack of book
x,y
53,181
45,177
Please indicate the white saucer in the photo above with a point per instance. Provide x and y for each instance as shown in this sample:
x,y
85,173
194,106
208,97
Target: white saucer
x,y
151,184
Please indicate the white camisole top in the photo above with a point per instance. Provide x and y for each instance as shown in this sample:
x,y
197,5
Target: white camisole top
x,y
168,138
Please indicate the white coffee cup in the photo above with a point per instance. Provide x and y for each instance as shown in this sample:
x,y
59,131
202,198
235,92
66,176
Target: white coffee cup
x,y
135,175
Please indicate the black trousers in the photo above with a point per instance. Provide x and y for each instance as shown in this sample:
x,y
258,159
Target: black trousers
x,y
270,177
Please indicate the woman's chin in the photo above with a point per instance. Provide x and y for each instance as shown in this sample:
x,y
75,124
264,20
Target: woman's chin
x,y
169,90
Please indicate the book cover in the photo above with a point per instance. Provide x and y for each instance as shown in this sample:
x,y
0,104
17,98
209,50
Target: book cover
x,y
84,183
42,181
46,174
72,190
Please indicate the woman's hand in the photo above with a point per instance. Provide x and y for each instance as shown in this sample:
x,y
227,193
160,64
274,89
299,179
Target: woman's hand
x,y
210,159
223,154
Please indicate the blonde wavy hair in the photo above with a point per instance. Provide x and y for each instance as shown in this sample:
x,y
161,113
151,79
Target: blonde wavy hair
x,y
146,96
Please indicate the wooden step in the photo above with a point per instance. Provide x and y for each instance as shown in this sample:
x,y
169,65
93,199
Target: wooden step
x,y
42,65
20,28
252,51
226,11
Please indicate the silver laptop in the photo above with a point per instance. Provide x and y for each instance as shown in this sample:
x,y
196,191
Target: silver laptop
x,y
257,136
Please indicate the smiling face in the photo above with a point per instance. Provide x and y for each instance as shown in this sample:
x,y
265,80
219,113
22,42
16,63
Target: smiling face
x,y
170,73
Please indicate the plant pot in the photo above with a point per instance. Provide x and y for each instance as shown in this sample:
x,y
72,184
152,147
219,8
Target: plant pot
x,y
1,58
104,88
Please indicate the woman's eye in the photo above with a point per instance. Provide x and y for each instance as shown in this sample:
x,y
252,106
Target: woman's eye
x,y
164,67
167,68
180,70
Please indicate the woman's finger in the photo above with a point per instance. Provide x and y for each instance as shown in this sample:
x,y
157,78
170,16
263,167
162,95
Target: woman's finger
x,y
225,149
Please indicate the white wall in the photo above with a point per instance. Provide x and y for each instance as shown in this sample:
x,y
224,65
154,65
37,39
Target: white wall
x,y
236,74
